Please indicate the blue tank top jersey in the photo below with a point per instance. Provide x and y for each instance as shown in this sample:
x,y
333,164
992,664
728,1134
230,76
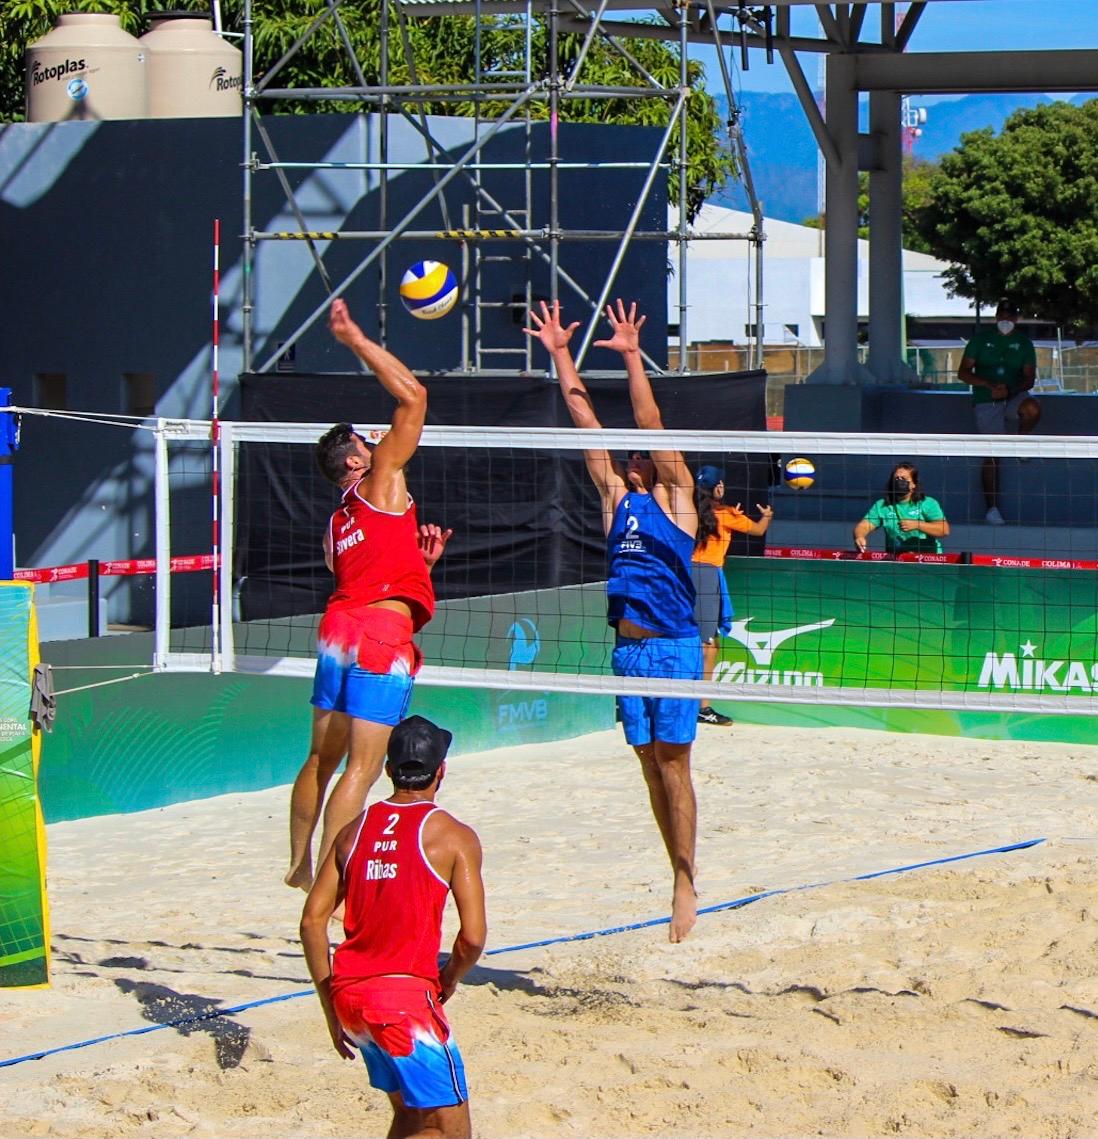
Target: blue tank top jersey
x,y
649,561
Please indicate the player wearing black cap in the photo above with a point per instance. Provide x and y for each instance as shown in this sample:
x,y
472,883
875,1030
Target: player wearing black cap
x,y
382,990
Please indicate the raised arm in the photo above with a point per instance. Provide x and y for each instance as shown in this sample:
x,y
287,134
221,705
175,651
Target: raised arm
x,y
555,337
755,529
387,489
671,469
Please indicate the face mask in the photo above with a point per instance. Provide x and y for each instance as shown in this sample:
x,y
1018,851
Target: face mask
x,y
1006,327
900,485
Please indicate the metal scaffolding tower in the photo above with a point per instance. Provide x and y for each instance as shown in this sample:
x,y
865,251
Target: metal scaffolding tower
x,y
491,230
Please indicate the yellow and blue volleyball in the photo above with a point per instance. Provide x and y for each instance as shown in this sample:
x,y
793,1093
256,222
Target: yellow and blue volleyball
x,y
429,290
799,474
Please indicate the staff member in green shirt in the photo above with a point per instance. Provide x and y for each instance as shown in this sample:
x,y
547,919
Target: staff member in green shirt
x,y
1001,365
913,522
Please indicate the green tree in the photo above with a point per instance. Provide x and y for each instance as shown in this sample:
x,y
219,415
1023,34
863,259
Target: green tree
x,y
440,50
917,175
819,221
1017,214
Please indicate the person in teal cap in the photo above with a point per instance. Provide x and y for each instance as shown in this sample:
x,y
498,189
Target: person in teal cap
x,y
913,522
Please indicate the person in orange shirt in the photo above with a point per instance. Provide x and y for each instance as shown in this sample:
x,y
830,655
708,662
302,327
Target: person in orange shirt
x,y
713,607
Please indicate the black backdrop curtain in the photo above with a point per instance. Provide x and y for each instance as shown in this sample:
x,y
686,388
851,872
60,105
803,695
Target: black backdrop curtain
x,y
522,519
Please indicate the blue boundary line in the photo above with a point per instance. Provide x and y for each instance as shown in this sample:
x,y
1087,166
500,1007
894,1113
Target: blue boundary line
x,y
734,904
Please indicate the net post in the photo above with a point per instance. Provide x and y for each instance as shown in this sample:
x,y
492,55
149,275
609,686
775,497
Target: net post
x,y
163,550
226,647
9,441
93,597
215,435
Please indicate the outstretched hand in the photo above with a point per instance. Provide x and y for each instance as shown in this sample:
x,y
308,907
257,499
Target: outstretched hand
x,y
548,328
342,327
432,541
626,326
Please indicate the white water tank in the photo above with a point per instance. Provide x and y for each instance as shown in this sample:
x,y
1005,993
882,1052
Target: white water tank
x,y
193,72
86,67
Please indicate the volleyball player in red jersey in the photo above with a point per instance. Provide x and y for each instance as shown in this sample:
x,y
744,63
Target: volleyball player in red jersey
x,y
382,990
381,558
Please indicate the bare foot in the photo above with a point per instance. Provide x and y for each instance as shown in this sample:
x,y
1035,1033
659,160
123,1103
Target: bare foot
x,y
684,912
299,877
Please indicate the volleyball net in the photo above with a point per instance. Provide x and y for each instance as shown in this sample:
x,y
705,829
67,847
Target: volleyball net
x,y
1002,618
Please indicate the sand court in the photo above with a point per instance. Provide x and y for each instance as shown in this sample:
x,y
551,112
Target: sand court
x,y
957,999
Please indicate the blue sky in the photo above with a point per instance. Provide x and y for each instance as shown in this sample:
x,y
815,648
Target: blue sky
x,y
946,25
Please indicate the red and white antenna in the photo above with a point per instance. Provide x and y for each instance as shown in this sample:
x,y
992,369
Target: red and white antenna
x,y
215,441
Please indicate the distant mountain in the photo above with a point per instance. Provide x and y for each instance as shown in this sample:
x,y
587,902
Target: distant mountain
x,y
946,122
782,150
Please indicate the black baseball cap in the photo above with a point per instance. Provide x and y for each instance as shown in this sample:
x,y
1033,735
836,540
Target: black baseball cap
x,y
417,747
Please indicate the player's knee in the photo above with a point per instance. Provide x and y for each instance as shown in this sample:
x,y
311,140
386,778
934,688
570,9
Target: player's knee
x,y
327,762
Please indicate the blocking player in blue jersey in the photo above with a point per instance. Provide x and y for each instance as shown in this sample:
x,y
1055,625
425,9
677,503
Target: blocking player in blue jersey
x,y
650,520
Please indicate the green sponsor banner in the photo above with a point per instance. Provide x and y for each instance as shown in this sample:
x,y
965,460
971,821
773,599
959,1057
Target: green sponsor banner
x,y
169,738
897,625
24,927
552,630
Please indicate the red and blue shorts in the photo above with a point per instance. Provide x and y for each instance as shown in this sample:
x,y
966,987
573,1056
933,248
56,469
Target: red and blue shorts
x,y
366,662
404,1037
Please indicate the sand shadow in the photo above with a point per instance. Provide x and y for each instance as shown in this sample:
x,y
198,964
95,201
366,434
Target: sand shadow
x,y
188,1013
513,981
505,980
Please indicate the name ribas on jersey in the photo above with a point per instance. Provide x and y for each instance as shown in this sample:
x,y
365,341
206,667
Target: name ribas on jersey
x,y
377,868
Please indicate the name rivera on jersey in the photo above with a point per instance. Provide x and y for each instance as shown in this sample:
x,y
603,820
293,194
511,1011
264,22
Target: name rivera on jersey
x,y
345,544
377,868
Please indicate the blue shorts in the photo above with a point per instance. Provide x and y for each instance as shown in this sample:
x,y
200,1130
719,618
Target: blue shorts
x,y
649,718
342,687
405,1040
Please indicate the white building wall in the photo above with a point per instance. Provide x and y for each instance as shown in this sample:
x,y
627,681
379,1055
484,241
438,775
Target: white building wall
x,y
721,283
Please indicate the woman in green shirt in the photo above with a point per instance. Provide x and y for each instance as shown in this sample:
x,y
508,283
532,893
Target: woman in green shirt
x,y
913,522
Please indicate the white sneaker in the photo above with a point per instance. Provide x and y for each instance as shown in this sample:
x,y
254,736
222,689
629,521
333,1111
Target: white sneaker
x,y
994,518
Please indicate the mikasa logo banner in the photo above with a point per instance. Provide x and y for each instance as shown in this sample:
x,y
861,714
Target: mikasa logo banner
x,y
1031,673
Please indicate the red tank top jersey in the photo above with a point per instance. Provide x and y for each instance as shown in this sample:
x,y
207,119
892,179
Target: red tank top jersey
x,y
376,557
394,898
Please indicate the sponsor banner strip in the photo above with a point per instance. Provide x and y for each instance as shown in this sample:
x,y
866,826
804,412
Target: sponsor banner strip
x,y
859,556
1032,563
998,560
127,567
